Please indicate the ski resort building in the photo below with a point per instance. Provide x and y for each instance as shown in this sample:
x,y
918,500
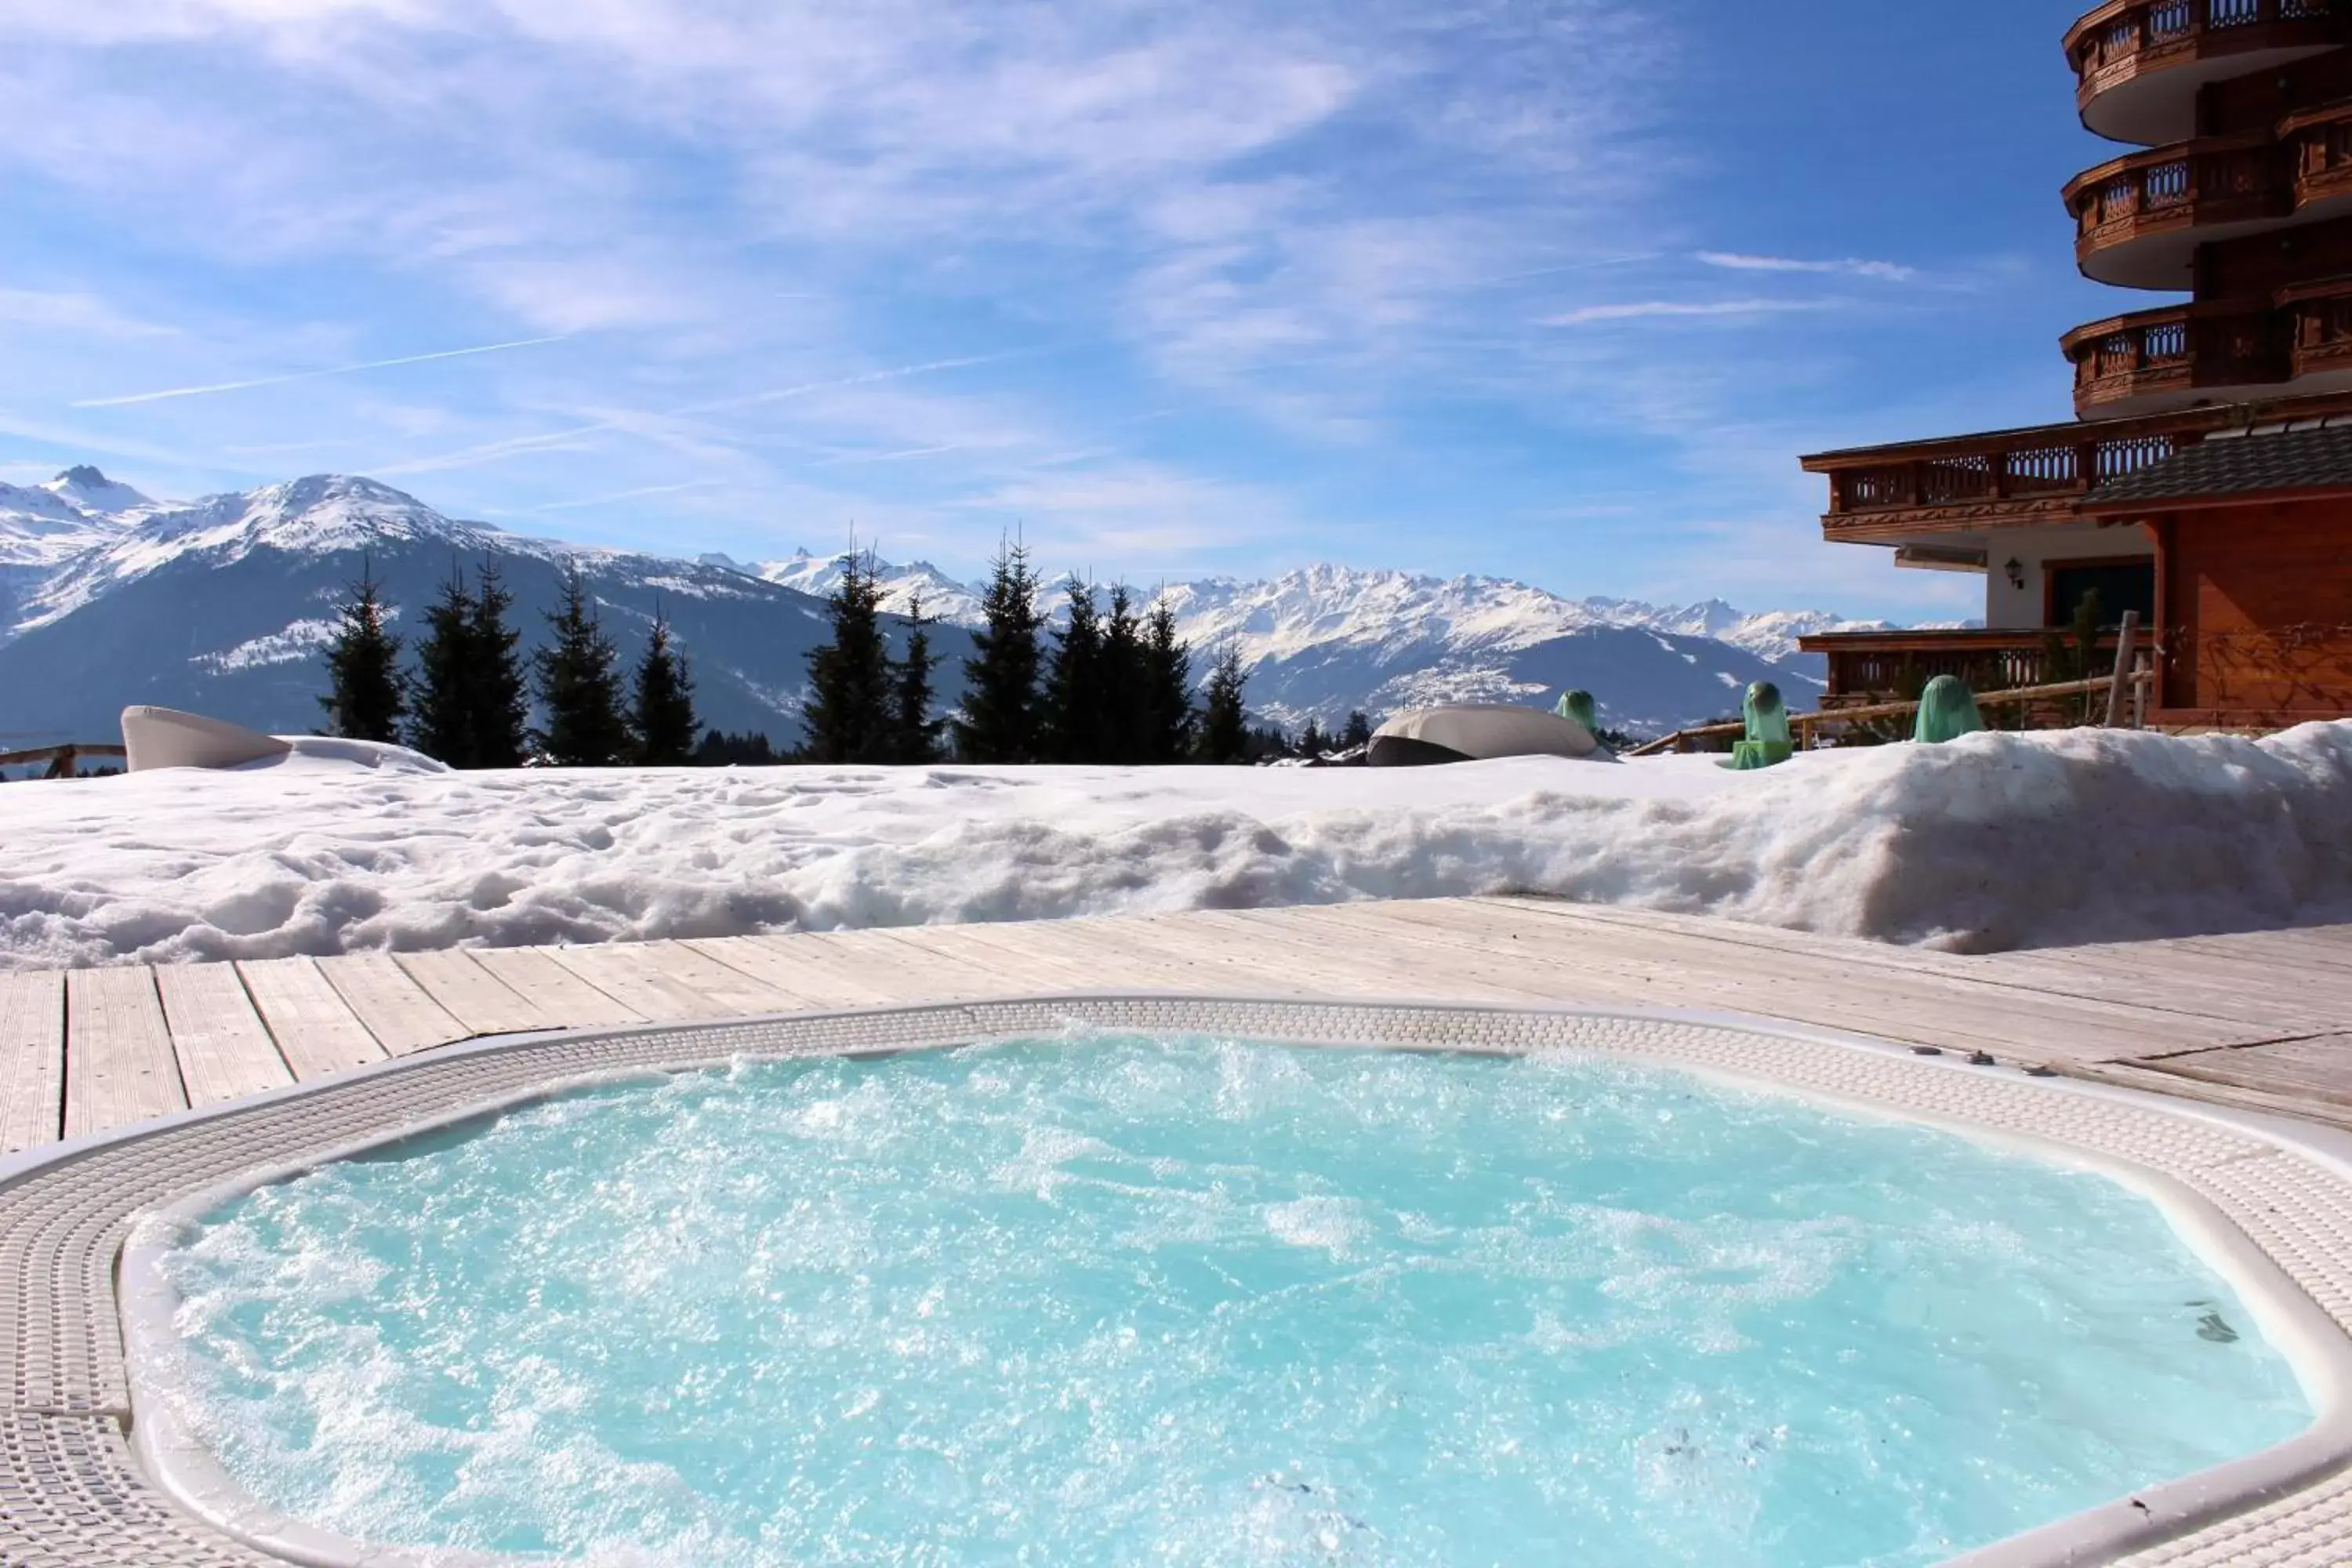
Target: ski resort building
x,y
2207,479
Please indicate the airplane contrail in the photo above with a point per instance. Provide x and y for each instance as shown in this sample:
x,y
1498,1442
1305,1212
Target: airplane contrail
x,y
310,374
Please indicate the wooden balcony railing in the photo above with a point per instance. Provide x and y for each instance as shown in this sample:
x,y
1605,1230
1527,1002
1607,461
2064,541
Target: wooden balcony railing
x,y
2191,185
1870,667
2306,330
2319,142
2180,349
2124,39
2207,183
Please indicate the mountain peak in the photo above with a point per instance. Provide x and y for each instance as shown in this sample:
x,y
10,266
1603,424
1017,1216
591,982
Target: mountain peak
x,y
84,486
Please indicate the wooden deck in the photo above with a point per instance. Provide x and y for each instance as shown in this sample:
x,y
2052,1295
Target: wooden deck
x,y
2262,1020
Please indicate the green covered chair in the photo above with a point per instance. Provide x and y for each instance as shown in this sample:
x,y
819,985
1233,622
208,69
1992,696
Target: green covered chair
x,y
1767,742
1947,709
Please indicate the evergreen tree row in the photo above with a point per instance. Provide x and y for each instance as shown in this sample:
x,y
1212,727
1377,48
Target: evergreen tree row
x,y
466,702
1112,688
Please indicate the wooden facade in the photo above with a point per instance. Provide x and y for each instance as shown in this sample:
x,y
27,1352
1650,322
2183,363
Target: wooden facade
x,y
2237,192
2255,602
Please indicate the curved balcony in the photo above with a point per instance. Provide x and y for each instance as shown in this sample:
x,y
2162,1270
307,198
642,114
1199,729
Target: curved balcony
x,y
2139,218
2138,63
2151,361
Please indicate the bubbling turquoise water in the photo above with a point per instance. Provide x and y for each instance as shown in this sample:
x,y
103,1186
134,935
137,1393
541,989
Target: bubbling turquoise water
x,y
1189,1301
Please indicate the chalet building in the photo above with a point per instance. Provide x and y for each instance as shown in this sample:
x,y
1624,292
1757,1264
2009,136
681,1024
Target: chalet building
x,y
2207,479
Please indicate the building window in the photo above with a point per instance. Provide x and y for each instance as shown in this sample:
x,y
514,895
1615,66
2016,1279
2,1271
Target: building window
x,y
2120,584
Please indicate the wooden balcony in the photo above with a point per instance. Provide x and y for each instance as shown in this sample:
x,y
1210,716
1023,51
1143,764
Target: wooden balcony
x,y
2152,361
1887,667
2139,218
2003,479
2149,361
2138,63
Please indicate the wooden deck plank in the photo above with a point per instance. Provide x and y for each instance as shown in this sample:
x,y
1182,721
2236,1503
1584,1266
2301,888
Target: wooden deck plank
x,y
1917,1007
667,980
2318,1069
951,973
32,1058
2322,951
1264,957
532,973
223,1049
784,965
315,1028
2167,978
2234,1019
1059,955
473,995
119,1063
2164,975
1025,964
400,1012
1112,953
1299,957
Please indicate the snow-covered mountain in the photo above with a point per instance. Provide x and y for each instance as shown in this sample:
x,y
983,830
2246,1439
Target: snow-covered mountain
x,y
1323,640
223,604
46,525
941,596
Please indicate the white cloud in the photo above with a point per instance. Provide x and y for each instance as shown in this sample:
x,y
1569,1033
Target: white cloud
x,y
1589,315
73,313
1892,272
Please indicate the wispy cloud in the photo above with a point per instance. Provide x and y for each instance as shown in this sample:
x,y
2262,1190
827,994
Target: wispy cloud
x,y
638,493
1640,309
309,374
1849,267
74,313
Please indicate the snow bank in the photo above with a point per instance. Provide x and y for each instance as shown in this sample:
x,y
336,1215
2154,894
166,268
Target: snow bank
x,y
1994,841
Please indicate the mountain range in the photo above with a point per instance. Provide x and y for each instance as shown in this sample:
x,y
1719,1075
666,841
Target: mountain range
x,y
222,604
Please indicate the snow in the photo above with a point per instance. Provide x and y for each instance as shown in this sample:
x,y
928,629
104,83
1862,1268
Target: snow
x,y
1994,841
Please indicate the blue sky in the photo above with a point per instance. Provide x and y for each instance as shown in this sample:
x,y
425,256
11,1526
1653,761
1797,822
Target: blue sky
x,y
1552,291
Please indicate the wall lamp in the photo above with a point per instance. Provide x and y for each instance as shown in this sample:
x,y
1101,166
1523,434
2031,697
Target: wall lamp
x,y
2014,570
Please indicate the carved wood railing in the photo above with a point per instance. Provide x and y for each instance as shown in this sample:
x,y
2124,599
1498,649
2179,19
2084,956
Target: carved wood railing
x,y
2236,179
2124,38
1967,480
2320,142
2177,349
1866,666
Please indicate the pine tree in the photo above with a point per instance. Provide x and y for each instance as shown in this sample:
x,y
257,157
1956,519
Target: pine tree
x,y
496,711
1359,731
1075,696
1000,721
914,734
441,706
579,689
1224,724
848,717
1312,741
364,699
663,714
1167,688
1126,716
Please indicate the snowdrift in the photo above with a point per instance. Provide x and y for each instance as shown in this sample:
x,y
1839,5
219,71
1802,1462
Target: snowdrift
x,y
1992,841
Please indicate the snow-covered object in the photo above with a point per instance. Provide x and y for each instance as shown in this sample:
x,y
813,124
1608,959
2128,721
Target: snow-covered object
x,y
1994,840
157,737
334,754
1476,733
